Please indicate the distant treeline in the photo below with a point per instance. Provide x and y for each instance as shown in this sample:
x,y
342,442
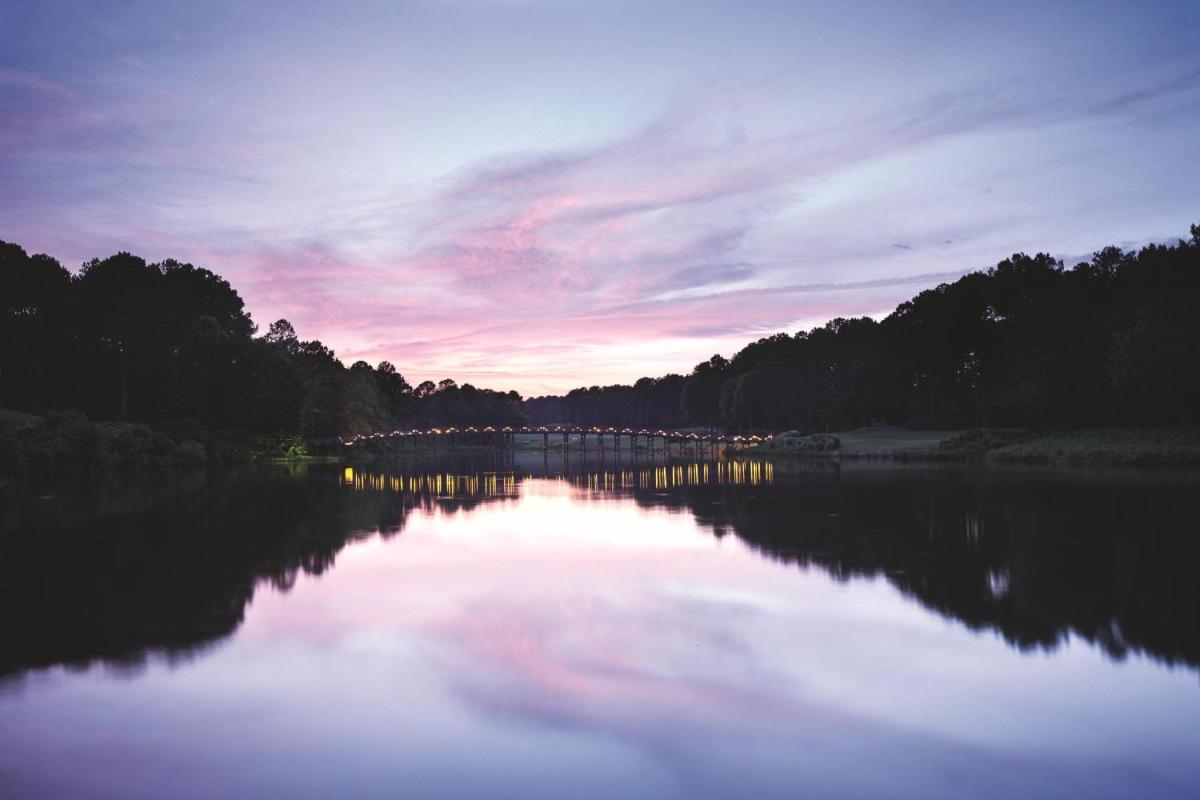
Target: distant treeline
x,y
171,344
651,402
1115,340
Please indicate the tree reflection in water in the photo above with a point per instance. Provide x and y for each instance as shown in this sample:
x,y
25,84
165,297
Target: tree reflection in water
x,y
1036,555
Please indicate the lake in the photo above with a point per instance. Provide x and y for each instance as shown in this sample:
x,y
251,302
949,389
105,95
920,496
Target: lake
x,y
524,627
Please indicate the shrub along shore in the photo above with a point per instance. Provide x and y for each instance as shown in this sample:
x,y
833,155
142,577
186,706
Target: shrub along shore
x,y
1177,446
68,446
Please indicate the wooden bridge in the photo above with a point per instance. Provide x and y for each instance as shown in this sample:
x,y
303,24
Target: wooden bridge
x,y
504,437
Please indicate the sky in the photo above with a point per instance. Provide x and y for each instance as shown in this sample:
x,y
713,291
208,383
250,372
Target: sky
x,y
542,195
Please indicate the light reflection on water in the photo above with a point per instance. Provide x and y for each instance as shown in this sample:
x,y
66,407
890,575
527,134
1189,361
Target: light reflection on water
x,y
492,484
442,633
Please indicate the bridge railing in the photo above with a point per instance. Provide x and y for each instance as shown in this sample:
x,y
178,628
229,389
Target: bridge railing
x,y
506,432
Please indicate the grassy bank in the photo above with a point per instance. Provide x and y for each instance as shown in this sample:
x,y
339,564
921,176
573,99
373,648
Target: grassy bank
x,y
868,441
1117,446
1132,446
861,443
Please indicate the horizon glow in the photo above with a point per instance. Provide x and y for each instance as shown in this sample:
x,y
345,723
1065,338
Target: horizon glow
x,y
538,196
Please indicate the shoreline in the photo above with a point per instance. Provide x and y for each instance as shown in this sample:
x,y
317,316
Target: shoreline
x,y
1118,447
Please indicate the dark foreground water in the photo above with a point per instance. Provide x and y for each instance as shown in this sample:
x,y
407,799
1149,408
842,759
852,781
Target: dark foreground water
x,y
529,630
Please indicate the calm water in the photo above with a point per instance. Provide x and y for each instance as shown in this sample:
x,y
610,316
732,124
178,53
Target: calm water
x,y
540,630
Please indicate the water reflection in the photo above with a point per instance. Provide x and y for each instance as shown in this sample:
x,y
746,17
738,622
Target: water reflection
x,y
1037,556
493,484
587,629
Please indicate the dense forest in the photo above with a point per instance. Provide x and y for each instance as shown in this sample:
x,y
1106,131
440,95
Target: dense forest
x,y
650,402
1115,340
172,345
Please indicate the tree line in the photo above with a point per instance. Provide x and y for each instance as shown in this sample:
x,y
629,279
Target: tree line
x,y
1029,342
172,344
650,402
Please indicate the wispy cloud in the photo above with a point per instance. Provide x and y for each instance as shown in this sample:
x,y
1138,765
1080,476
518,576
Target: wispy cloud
x,y
522,231
33,82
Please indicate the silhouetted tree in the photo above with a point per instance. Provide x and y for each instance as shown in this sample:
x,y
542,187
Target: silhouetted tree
x,y
1029,342
32,291
171,343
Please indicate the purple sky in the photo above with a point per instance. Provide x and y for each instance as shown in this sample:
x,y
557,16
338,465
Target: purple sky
x,y
541,195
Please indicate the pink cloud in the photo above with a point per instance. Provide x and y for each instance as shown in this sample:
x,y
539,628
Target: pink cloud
x,y
543,271
32,81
